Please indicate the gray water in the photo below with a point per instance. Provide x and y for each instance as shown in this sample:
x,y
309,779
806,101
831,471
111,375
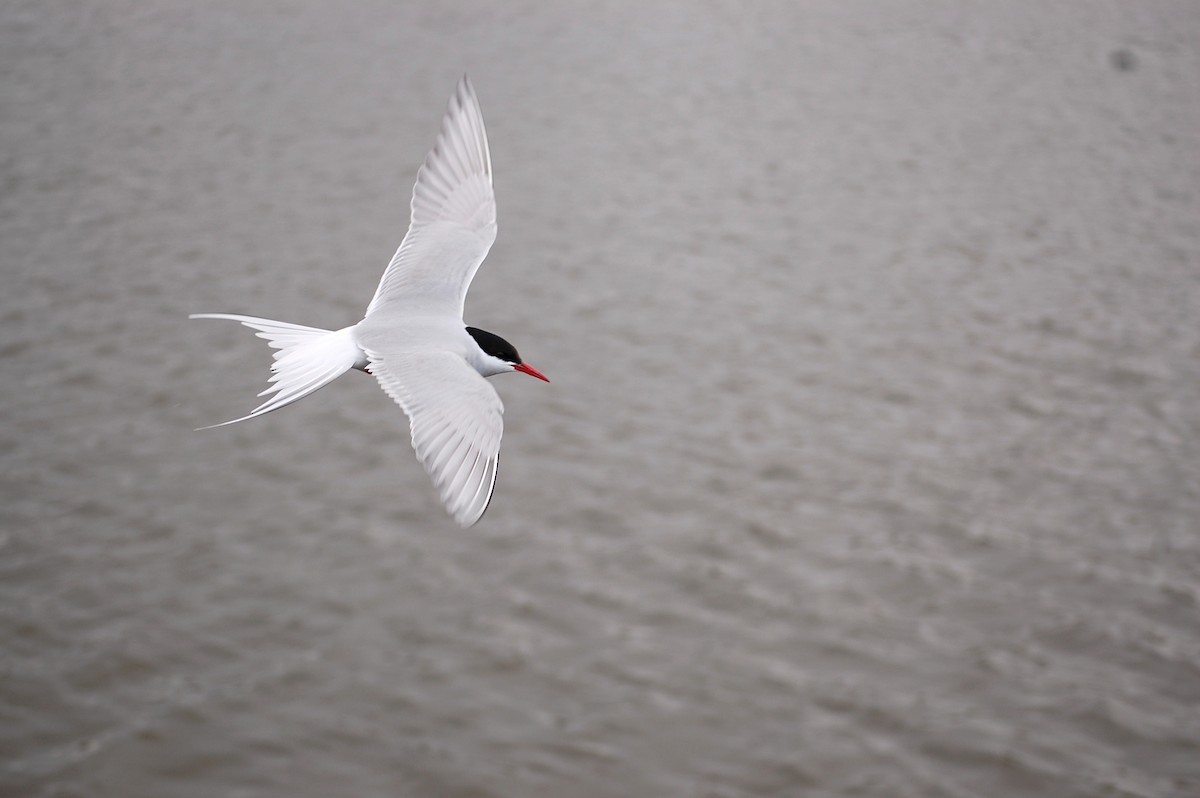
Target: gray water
x,y
870,465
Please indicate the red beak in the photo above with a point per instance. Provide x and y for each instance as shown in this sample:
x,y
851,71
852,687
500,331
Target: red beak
x,y
525,368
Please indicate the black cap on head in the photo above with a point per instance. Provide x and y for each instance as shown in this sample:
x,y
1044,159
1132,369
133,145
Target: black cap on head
x,y
494,345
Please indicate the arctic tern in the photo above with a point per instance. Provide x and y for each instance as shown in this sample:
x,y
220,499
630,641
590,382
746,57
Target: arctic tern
x,y
412,337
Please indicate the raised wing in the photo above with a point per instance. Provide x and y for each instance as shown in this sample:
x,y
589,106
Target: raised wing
x,y
456,419
453,218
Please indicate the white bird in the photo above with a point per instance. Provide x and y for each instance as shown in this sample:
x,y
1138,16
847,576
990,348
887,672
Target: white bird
x,y
412,337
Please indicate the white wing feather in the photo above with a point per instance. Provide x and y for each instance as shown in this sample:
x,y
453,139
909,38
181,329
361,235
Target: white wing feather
x,y
453,218
456,419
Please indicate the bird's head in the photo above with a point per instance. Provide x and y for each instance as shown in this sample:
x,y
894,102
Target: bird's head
x,y
499,356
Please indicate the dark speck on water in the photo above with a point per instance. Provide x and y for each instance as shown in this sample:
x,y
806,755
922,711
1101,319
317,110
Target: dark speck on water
x,y
1123,60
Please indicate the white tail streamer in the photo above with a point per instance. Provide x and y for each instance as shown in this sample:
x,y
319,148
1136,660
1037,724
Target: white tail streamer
x,y
307,359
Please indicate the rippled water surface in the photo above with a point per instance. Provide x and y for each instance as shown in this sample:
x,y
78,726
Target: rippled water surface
x,y
870,465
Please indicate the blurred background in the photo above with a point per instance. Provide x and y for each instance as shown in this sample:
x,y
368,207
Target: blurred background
x,y
870,465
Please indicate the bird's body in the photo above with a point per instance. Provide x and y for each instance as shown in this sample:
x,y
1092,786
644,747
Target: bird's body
x,y
412,337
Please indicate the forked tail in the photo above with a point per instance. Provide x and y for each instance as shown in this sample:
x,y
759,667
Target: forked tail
x,y
308,359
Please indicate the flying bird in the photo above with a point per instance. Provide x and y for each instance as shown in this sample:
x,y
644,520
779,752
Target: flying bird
x,y
412,337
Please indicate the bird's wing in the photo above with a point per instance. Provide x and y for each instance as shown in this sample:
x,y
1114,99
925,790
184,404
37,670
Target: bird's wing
x,y
456,419
453,218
